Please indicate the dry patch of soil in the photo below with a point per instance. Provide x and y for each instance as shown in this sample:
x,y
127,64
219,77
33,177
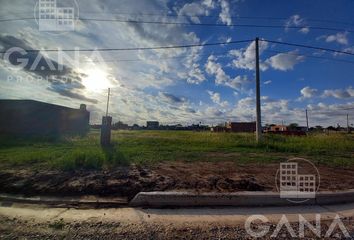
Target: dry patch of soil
x,y
127,181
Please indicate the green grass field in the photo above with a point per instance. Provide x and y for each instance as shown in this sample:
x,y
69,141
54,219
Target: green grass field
x,y
149,147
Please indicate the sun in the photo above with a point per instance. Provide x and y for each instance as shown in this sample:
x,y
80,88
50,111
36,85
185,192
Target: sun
x,y
96,80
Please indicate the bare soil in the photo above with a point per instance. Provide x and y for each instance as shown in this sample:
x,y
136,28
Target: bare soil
x,y
22,229
179,176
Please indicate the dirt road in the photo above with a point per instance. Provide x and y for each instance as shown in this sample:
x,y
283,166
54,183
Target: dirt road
x,y
38,222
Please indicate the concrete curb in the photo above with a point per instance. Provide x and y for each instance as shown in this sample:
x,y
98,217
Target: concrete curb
x,y
181,199
239,199
80,201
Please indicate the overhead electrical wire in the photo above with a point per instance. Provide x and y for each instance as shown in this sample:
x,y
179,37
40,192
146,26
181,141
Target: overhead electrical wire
x,y
310,56
238,17
191,45
197,24
137,48
308,46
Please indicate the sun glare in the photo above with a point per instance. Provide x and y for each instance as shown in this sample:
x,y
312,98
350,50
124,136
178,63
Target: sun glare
x,y
96,80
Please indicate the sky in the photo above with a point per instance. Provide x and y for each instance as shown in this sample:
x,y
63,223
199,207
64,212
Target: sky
x,y
202,84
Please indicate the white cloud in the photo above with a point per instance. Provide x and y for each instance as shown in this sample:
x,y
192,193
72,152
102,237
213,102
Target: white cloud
x,y
308,92
297,21
305,30
221,78
340,38
349,49
215,97
213,112
245,58
339,93
294,20
225,12
267,82
285,61
195,9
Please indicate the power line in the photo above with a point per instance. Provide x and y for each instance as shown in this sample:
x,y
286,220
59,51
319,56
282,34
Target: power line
x,y
215,24
310,56
137,48
197,24
169,14
189,46
225,53
308,46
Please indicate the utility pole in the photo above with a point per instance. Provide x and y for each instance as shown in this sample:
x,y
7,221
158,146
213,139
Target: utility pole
x,y
348,130
258,96
106,126
307,121
109,91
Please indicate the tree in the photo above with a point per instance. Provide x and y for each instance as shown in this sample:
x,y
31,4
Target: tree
x,y
293,126
319,128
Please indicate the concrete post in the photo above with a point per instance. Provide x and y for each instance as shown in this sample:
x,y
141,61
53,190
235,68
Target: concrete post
x,y
106,131
258,95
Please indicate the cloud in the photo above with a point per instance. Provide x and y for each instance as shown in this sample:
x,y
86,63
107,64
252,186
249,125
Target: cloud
x,y
305,30
68,92
195,75
215,97
196,8
267,82
225,12
171,98
245,58
308,92
63,80
221,78
349,49
213,112
339,93
297,21
294,20
285,61
322,113
340,38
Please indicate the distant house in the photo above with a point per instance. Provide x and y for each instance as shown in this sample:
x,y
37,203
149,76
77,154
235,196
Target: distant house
x,y
218,129
278,128
152,125
286,130
120,125
34,118
240,126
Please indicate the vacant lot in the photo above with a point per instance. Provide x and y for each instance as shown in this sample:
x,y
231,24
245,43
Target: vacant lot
x,y
150,147
167,160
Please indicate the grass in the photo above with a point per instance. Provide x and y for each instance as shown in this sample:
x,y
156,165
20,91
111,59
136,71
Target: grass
x,y
149,147
57,224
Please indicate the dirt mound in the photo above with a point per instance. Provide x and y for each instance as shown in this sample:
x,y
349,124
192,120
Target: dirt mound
x,y
127,181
